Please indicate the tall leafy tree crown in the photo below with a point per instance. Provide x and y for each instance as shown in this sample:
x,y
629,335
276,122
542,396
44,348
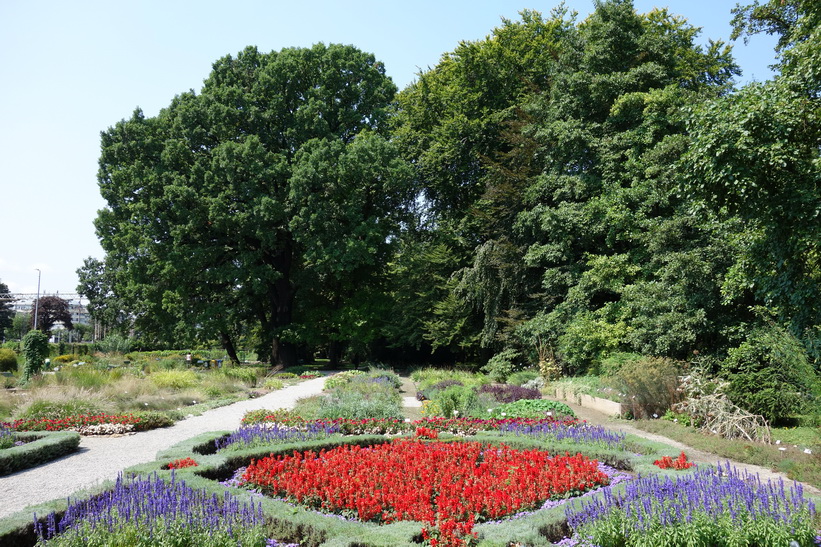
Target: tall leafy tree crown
x,y
215,212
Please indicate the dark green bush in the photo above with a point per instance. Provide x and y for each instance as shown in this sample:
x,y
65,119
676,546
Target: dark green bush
x,y
150,419
650,386
770,374
8,360
503,364
35,352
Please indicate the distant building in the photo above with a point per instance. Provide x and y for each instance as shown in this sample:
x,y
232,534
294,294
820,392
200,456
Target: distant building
x,y
24,303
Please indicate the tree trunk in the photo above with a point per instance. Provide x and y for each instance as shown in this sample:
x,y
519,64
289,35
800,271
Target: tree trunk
x,y
283,354
334,353
230,349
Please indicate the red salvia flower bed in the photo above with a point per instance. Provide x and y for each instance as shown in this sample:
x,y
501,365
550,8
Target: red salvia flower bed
x,y
449,486
182,463
666,462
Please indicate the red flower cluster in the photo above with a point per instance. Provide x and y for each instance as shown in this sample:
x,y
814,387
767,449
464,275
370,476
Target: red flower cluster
x,y
72,422
183,462
667,462
426,433
449,486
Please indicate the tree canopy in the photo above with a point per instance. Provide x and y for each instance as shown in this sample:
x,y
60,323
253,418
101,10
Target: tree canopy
x,y
563,187
274,184
50,311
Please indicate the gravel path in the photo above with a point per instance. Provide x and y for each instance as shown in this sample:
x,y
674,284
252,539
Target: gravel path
x,y
102,458
699,456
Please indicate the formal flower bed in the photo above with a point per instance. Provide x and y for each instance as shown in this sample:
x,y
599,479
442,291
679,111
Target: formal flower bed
x,y
75,423
713,506
151,511
373,426
448,486
263,433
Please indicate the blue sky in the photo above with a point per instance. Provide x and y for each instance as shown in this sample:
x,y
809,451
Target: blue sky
x,y
72,69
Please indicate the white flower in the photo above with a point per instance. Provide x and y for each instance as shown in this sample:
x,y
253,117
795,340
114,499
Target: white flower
x,y
193,402
490,410
550,414
407,420
807,451
655,415
504,413
146,404
777,442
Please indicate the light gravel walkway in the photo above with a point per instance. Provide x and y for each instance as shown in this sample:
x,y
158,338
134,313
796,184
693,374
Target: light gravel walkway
x,y
102,458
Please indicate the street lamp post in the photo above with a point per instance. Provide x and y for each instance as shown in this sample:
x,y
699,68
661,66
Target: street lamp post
x,y
37,302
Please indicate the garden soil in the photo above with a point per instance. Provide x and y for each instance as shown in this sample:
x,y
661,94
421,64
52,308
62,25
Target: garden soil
x,y
102,458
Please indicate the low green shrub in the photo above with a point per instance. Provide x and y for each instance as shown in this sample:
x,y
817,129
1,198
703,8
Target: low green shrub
x,y
612,364
530,408
649,386
41,447
66,358
342,378
425,378
246,375
174,379
285,375
770,375
522,377
273,384
58,410
8,360
503,364
149,419
456,401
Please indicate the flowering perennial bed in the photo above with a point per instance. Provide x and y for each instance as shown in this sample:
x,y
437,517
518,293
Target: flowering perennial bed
x,y
575,431
73,422
667,462
272,433
448,486
151,511
393,426
712,506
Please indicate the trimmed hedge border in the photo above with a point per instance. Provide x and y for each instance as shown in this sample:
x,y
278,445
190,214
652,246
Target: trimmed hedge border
x,y
41,447
310,528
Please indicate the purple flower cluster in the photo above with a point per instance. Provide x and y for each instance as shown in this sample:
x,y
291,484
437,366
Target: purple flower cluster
x,y
508,393
561,431
7,437
710,494
268,433
151,502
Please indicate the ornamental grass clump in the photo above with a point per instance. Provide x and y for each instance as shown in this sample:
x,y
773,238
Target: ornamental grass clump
x,y
150,511
261,434
713,506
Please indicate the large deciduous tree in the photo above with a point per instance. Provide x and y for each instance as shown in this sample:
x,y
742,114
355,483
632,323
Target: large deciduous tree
x,y
755,154
275,184
50,311
6,309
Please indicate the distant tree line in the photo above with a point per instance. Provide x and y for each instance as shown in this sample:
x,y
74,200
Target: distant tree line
x,y
577,187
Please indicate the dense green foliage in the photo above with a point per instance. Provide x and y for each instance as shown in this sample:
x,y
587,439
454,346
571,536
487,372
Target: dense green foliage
x,y
6,309
35,352
769,375
557,194
8,360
